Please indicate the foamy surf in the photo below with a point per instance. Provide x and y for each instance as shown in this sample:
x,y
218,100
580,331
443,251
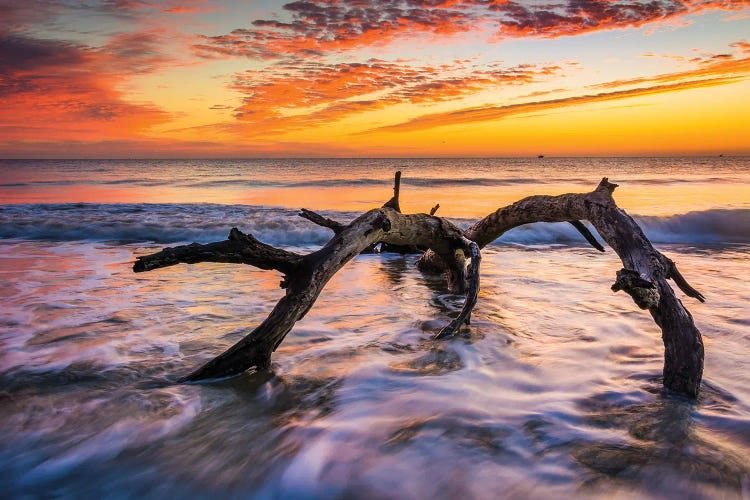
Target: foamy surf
x,y
172,223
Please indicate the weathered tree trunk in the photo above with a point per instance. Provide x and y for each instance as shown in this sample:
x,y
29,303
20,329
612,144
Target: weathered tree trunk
x,y
643,276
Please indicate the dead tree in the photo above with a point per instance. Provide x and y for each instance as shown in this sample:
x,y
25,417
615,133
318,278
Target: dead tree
x,y
447,249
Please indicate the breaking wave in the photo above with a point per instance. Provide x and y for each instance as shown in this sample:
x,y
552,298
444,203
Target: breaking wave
x,y
244,182
171,223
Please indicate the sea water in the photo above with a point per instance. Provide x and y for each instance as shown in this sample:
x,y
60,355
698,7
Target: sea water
x,y
554,390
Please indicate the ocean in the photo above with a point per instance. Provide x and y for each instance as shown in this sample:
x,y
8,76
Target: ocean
x,y
553,391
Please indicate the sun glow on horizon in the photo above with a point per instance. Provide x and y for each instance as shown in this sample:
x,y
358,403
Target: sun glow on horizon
x,y
325,78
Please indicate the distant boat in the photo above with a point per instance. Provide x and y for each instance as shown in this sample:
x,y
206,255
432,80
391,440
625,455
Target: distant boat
x,y
540,156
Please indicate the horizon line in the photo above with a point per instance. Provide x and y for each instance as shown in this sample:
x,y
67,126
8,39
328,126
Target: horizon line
x,y
447,157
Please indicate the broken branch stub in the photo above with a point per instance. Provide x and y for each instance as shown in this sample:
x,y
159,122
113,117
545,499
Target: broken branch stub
x,y
644,274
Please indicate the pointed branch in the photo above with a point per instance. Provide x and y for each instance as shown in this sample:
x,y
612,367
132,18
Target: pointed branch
x,y
303,288
393,202
331,224
586,234
680,281
320,220
239,248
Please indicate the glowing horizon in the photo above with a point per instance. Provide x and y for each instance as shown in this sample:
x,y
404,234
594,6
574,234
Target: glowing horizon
x,y
394,78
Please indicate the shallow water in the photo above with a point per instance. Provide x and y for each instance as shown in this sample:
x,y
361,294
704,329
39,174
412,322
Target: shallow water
x,y
554,390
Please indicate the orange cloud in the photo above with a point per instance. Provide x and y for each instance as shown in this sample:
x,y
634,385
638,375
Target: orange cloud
x,y
742,45
711,71
65,90
497,112
709,65
323,26
70,91
289,96
53,91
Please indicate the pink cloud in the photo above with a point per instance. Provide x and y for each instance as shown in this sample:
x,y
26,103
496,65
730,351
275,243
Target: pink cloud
x,y
317,27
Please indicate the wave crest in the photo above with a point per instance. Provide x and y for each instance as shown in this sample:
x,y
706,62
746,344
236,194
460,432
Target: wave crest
x,y
168,223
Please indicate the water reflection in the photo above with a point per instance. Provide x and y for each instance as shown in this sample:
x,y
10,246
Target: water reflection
x,y
437,361
476,186
664,451
395,268
250,428
544,398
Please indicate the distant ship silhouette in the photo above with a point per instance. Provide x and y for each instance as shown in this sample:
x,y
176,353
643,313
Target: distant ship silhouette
x,y
540,156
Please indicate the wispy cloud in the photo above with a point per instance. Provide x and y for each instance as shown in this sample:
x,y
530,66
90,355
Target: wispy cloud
x,y
711,72
497,112
706,65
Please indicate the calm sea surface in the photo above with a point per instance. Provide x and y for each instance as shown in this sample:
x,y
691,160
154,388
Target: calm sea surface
x,y
554,391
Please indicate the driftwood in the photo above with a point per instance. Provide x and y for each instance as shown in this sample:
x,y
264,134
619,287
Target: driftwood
x,y
445,248
644,274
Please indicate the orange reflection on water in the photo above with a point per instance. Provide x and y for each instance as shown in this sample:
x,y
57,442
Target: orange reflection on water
x,y
478,201
456,200
117,194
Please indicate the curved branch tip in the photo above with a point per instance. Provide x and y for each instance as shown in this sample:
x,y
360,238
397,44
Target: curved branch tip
x,y
472,291
581,227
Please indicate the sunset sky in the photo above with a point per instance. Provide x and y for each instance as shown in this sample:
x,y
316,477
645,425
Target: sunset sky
x,y
360,78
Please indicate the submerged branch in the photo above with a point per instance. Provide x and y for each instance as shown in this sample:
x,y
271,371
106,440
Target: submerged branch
x,y
681,282
394,202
